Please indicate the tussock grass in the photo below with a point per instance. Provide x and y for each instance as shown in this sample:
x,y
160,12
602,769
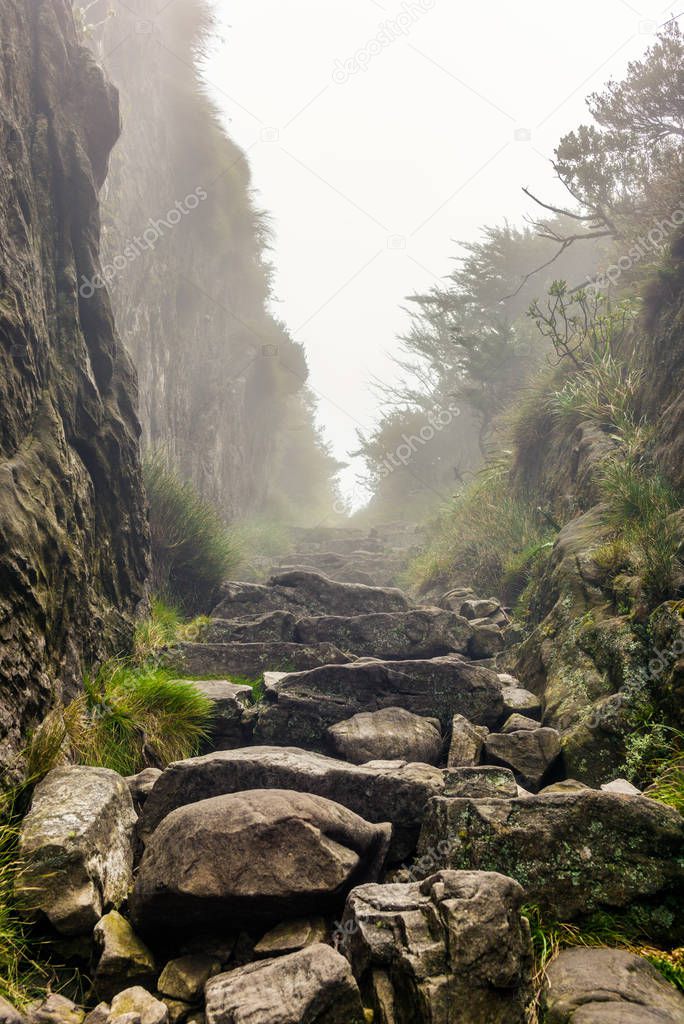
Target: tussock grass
x,y
668,773
163,627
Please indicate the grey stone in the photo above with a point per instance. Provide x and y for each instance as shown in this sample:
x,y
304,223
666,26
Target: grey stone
x,y
518,699
305,593
185,977
484,782
417,633
467,741
486,641
480,608
136,1001
290,936
564,786
387,735
620,786
75,847
530,754
279,625
248,661
9,1013
517,723
56,1009
141,785
123,960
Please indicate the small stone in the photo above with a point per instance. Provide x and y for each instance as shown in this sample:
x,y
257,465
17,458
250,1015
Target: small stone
x,y
480,609
56,1009
124,959
485,782
621,786
290,936
517,723
186,977
518,699
466,744
138,1002
564,786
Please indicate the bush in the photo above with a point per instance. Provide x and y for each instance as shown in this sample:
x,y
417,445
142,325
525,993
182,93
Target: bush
x,y
193,550
164,627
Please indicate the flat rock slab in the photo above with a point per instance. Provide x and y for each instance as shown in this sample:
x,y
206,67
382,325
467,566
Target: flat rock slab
x,y
75,847
574,853
609,986
392,791
253,859
273,626
483,782
418,633
427,949
290,936
301,707
249,661
312,986
388,735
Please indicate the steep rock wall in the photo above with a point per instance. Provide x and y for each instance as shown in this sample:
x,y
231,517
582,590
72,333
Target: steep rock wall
x,y
73,535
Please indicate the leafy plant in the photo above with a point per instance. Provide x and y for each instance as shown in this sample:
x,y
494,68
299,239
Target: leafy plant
x,y
582,325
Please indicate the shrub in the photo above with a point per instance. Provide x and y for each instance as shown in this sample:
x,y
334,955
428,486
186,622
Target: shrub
x,y
163,627
193,549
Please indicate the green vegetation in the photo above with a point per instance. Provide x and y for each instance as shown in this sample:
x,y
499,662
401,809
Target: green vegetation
x,y
193,549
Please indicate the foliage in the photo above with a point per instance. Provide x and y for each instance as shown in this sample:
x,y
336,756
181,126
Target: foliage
x,y
604,391
583,326
667,773
193,550
163,627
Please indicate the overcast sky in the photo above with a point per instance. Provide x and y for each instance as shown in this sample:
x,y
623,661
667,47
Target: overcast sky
x,y
379,132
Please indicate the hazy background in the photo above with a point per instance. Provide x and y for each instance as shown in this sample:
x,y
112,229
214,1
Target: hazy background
x,y
371,180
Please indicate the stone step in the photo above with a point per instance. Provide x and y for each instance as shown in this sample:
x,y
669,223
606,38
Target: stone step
x,y
248,660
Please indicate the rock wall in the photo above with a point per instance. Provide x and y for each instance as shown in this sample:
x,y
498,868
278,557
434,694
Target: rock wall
x,y
73,542
185,254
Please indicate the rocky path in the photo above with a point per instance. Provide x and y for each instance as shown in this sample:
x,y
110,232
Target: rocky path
x,y
358,843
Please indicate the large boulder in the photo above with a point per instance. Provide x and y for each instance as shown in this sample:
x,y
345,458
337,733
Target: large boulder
x,y
609,986
271,626
312,986
394,791
574,853
75,847
531,754
248,661
454,947
418,633
391,734
300,707
253,859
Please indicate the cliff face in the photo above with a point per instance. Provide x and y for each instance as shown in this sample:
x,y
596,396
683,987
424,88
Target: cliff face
x,y
73,543
184,252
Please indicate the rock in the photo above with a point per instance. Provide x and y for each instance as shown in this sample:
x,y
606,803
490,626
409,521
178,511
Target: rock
x,y
389,791
248,661
75,847
290,936
229,725
301,707
387,735
517,723
564,786
253,859
466,744
123,960
485,782
486,641
531,755
519,700
575,853
609,986
138,1002
454,599
272,626
184,978
418,633
178,1011
620,786
9,1014
456,940
312,986
480,608
99,1015
140,786
56,1009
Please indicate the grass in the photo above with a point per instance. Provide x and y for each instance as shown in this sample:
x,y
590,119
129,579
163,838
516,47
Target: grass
x,y
163,627
667,773
605,391
193,548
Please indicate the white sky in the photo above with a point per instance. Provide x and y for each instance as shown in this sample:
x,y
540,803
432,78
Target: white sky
x,y
370,180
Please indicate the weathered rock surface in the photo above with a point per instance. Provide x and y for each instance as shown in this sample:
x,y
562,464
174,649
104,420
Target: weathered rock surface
x,y
185,977
300,707
486,641
305,593
312,986
480,608
137,1002
251,660
122,959
75,847
418,633
9,1013
609,986
517,722
229,727
74,553
272,626
251,859
574,853
141,785
56,1009
391,791
391,734
518,700
290,936
467,741
484,782
453,944
530,753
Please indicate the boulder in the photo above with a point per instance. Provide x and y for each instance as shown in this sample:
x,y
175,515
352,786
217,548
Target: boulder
x,y
454,947
467,740
486,641
609,986
480,608
272,626
484,782
575,853
141,785
122,959
137,1002
248,661
387,735
312,986
229,725
185,977
300,708
517,699
530,754
305,593
252,860
56,1009
391,791
75,847
290,936
418,633
517,722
